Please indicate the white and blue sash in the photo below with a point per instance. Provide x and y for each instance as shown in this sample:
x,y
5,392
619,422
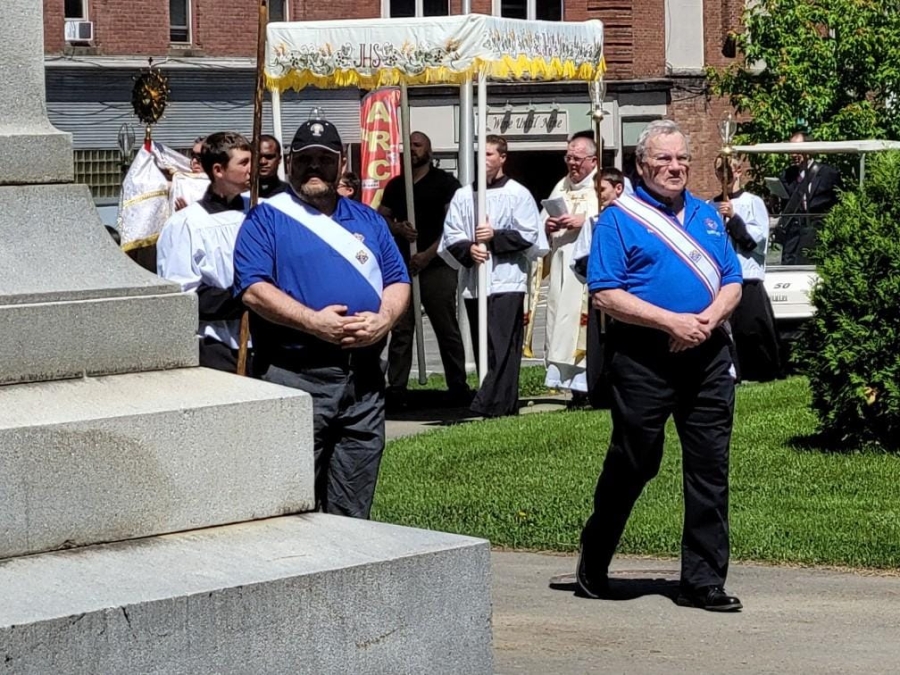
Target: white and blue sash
x,y
677,239
342,241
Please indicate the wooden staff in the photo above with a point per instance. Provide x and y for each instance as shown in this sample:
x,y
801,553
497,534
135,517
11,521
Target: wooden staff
x,y
254,168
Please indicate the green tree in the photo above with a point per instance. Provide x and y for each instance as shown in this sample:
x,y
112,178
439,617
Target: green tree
x,y
851,348
828,67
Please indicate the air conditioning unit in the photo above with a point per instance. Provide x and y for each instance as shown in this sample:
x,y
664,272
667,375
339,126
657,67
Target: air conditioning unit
x,y
79,31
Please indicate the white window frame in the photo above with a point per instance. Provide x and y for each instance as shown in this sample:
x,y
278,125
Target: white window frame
x,y
420,8
190,29
85,11
530,9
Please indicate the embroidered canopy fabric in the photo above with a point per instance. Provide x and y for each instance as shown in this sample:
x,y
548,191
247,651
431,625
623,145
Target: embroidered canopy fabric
x,y
372,53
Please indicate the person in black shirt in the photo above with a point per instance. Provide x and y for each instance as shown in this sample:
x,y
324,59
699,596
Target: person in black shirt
x,y
813,188
269,160
433,189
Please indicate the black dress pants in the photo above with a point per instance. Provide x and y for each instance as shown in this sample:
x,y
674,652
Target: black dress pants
x,y
498,394
649,384
597,381
348,431
437,283
217,355
755,337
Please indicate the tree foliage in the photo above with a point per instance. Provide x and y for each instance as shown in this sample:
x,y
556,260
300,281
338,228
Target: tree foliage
x,y
828,67
851,348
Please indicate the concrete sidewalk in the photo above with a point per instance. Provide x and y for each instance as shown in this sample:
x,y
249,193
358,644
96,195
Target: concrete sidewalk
x,y
795,620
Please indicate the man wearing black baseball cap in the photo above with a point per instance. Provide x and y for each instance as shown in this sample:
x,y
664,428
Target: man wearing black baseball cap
x,y
325,284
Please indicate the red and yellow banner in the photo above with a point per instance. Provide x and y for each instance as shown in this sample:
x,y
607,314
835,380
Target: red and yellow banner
x,y
380,152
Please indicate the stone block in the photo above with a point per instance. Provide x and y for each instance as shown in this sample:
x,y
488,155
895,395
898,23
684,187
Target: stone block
x,y
310,594
71,303
56,249
36,157
31,148
127,456
58,340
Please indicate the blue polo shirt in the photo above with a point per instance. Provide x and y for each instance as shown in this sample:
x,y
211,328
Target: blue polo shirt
x,y
625,255
273,247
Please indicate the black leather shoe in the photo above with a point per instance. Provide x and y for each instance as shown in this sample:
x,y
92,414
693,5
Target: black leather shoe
x,y
710,598
590,584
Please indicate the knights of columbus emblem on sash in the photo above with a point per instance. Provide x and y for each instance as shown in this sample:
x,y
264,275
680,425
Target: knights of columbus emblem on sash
x,y
359,236
695,255
362,257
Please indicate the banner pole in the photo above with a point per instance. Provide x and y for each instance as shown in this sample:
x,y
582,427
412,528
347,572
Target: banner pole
x,y
480,216
243,346
411,217
278,132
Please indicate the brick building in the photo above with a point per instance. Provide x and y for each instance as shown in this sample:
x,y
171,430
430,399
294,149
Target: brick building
x,y
656,51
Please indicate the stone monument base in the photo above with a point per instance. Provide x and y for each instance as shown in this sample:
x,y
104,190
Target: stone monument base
x,y
309,593
103,459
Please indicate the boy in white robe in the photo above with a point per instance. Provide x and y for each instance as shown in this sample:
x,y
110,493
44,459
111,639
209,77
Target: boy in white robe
x,y
510,235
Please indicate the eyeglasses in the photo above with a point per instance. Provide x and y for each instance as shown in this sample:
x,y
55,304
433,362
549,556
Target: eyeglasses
x,y
195,155
666,160
572,159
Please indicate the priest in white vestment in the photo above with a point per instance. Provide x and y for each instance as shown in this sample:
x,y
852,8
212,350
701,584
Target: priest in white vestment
x,y
565,362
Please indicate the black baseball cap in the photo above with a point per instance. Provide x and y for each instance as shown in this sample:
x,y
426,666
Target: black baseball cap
x,y
317,133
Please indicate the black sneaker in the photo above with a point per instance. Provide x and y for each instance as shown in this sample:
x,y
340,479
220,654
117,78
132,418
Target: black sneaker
x,y
710,598
590,583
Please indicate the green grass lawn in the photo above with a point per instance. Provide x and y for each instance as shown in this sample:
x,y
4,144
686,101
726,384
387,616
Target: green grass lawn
x,y
531,381
528,482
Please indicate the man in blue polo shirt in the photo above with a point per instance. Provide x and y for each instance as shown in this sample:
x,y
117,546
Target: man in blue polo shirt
x,y
325,284
662,266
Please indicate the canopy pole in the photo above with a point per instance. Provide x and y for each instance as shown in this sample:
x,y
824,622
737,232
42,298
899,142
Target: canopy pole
x,y
598,93
411,217
480,217
244,341
465,176
278,132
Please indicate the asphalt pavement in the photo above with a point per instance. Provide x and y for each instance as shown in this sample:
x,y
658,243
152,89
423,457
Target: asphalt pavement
x,y
794,621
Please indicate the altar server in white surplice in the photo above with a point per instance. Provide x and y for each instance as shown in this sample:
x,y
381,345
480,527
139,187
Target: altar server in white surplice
x,y
565,361
513,235
196,247
753,322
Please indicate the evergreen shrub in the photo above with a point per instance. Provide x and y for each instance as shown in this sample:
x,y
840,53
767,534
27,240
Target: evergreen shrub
x,y
851,348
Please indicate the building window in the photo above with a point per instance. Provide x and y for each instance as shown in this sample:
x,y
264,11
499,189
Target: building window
x,y
397,9
100,170
76,9
279,10
548,10
541,10
179,20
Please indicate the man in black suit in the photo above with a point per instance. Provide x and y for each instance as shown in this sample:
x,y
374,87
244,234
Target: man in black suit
x,y
812,187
